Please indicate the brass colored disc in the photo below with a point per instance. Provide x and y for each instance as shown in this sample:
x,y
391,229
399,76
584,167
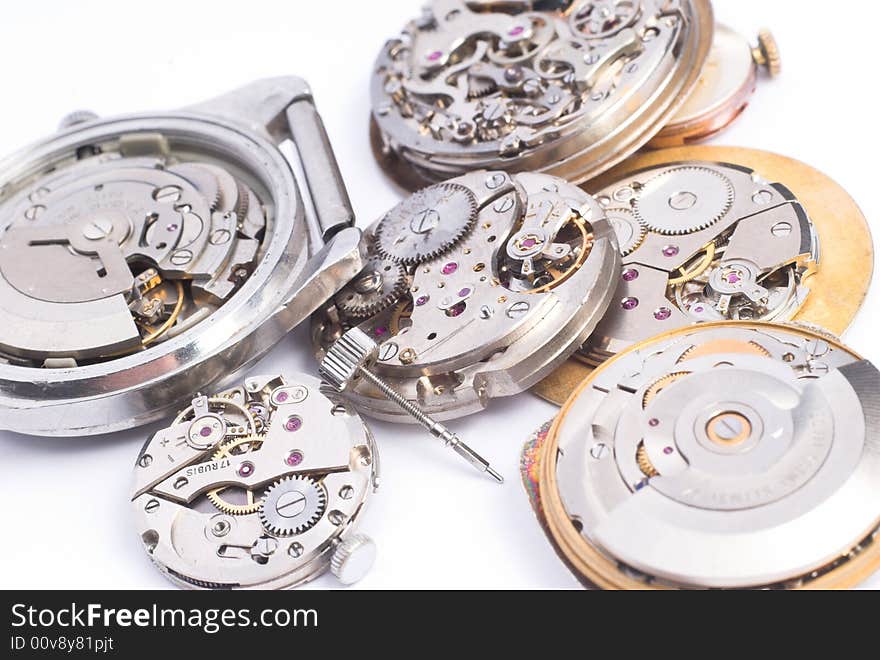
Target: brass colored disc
x,y
840,285
596,569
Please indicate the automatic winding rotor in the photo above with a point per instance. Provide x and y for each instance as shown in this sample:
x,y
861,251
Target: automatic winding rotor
x,y
727,445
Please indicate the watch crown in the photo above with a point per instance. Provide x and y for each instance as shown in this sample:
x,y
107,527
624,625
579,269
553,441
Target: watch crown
x,y
351,351
766,53
75,118
353,558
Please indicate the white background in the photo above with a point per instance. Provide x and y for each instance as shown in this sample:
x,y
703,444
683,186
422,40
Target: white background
x,y
64,502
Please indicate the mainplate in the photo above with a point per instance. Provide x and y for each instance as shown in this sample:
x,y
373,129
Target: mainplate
x,y
534,86
254,487
722,243
726,446
498,308
729,234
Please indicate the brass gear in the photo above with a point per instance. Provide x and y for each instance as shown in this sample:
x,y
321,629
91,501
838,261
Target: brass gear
x,y
403,310
215,497
645,464
723,346
660,385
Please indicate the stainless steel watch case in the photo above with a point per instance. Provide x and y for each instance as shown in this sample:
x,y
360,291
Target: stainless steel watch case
x,y
246,128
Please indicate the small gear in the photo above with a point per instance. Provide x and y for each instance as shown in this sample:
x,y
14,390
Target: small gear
x,y
630,232
480,87
683,200
378,286
645,464
246,444
292,505
427,224
660,385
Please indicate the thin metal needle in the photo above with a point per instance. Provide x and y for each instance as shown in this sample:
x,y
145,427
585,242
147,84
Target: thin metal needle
x,y
434,428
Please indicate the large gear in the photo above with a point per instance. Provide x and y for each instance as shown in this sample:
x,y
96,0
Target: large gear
x,y
683,200
252,504
292,505
630,232
378,286
427,224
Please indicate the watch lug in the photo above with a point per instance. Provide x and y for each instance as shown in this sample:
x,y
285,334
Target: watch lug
x,y
325,274
261,105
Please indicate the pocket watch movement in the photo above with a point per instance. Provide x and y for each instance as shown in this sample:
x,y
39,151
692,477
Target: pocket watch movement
x,y
259,486
147,256
728,455
475,288
565,88
716,233
726,85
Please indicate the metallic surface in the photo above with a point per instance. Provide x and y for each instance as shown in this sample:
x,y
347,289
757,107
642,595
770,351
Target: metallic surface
x,y
352,357
568,90
748,455
499,310
73,360
837,288
312,469
726,86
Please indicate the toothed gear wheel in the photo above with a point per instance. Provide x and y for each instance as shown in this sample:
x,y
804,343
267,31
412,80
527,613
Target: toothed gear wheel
x,y
630,232
721,346
660,385
644,461
378,286
480,87
251,504
427,224
684,200
292,506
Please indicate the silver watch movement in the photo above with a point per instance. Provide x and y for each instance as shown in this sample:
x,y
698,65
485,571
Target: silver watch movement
x,y
258,486
476,288
567,87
